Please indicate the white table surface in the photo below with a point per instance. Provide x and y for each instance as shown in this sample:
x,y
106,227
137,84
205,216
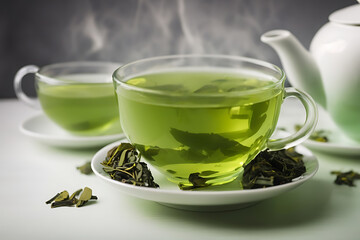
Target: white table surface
x,y
31,173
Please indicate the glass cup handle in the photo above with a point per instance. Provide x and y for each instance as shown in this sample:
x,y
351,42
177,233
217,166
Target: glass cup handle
x,y
32,102
308,127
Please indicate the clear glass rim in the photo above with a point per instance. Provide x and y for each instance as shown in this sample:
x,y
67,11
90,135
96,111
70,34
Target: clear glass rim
x,y
257,62
73,65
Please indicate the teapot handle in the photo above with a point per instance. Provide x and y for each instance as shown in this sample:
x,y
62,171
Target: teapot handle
x,y
305,131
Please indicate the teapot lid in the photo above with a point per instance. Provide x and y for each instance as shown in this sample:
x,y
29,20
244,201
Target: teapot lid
x,y
349,15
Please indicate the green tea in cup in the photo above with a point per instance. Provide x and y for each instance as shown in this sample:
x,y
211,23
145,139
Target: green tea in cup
x,y
79,97
202,118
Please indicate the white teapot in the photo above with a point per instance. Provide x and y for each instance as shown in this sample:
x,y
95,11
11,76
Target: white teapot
x,y
330,72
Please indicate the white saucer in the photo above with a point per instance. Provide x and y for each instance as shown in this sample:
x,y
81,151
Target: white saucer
x,y
41,129
225,197
337,145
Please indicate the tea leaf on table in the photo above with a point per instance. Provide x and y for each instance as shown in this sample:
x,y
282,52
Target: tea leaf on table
x,y
346,178
62,196
63,200
271,168
64,203
84,197
123,164
75,194
52,199
85,168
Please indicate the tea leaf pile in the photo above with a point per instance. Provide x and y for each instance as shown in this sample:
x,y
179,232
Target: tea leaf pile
x,y
272,168
64,200
123,164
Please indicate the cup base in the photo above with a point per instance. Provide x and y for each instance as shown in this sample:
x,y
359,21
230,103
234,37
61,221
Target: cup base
x,y
195,181
85,129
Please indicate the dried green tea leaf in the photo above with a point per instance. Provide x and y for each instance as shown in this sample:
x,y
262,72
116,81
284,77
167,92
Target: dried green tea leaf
x,y
84,197
148,152
271,168
62,196
75,194
196,181
114,153
63,200
52,199
293,154
346,178
85,168
123,164
64,203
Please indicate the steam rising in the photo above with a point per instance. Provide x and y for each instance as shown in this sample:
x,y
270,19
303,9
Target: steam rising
x,y
133,30
190,39
93,32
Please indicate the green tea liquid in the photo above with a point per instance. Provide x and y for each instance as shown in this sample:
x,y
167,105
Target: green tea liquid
x,y
188,134
81,108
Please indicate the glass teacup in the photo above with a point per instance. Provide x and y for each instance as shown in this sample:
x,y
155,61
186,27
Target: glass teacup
x,y
202,118
77,96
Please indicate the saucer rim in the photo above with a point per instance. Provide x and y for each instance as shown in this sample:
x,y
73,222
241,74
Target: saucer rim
x,y
344,146
61,140
331,147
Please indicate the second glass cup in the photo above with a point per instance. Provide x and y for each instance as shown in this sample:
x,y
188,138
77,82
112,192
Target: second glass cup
x,y
77,96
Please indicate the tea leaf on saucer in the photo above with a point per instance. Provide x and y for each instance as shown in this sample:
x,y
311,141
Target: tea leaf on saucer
x,y
271,168
123,164
196,181
148,152
346,178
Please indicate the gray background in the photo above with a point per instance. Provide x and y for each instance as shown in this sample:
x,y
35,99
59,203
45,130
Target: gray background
x,y
41,32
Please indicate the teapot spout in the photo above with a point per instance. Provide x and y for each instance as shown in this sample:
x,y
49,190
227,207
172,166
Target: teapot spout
x,y
300,67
